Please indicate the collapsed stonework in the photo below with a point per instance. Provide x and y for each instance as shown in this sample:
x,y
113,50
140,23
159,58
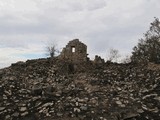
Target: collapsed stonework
x,y
74,51
98,60
39,90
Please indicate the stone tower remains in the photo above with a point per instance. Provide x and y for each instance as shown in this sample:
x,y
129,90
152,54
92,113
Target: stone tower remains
x,y
75,51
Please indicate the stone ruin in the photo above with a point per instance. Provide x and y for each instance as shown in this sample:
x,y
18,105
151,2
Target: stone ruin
x,y
98,60
75,51
43,89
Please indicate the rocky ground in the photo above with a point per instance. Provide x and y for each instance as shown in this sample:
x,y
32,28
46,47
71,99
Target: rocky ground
x,y
50,89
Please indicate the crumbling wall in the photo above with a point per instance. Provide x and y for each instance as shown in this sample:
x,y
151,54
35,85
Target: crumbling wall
x,y
74,51
98,60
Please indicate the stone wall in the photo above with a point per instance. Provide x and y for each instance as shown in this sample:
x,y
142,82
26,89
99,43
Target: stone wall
x,y
75,51
98,60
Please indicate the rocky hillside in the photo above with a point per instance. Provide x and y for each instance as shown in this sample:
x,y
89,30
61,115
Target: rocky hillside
x,y
52,89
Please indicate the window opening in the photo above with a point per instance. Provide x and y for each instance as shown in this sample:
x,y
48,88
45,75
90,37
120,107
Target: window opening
x,y
73,49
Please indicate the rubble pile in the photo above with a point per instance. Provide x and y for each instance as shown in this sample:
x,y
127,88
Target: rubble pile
x,y
52,89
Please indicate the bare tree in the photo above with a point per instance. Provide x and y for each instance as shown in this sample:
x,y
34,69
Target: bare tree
x,y
127,59
113,55
51,50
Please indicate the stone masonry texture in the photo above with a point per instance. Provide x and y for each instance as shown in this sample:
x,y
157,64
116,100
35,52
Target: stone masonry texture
x,y
74,51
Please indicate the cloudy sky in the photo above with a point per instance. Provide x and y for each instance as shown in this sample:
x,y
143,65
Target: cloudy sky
x,y
28,26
